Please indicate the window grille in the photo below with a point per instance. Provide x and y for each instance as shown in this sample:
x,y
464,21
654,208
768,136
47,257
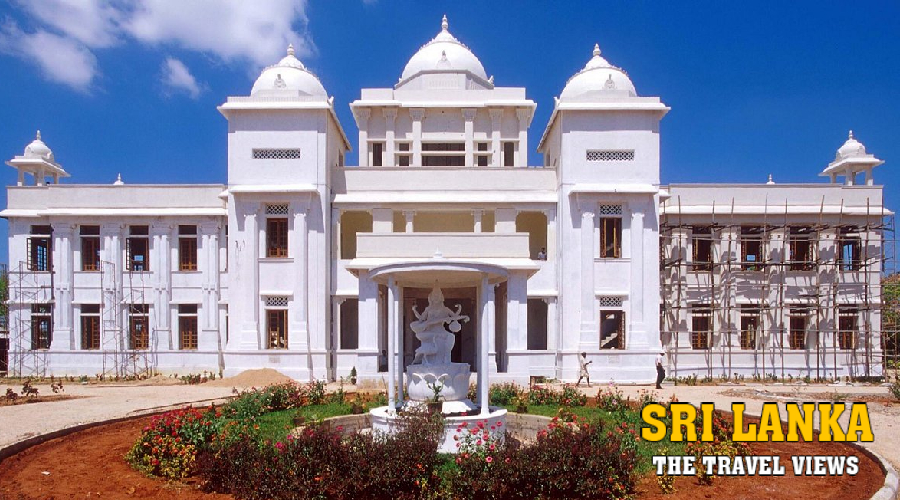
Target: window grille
x,y
609,155
279,209
610,209
276,154
610,301
276,301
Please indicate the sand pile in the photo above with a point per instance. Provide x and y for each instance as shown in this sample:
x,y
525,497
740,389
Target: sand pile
x,y
252,378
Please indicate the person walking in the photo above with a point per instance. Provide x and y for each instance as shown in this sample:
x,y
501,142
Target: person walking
x,y
583,371
660,371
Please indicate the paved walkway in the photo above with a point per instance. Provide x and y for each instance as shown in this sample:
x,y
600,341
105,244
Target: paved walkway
x,y
103,402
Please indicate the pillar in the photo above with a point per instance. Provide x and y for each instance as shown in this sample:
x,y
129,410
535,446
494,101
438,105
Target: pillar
x,y
486,307
208,262
469,117
111,265
249,289
390,116
417,114
63,259
554,343
496,115
588,339
523,114
392,343
161,258
362,121
408,216
639,288
298,313
478,214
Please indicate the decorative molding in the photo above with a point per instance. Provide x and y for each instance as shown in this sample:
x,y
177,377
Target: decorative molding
x,y
469,114
276,154
595,155
417,114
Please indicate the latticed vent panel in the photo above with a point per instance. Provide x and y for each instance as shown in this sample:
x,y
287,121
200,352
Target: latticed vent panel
x,y
279,209
610,209
610,301
276,154
609,155
276,301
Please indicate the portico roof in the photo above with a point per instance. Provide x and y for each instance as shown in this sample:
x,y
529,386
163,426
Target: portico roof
x,y
445,272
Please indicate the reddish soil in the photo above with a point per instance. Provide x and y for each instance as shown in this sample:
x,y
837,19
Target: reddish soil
x,y
90,464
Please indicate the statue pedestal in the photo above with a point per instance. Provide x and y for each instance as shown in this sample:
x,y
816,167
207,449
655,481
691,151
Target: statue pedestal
x,y
453,376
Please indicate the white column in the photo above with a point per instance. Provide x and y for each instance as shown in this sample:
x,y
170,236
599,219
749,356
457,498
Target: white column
x,y
112,285
297,338
553,341
638,287
392,343
516,312
401,366
63,260
161,256
408,216
250,288
390,115
417,114
469,117
478,214
589,335
486,299
496,115
362,121
208,262
523,114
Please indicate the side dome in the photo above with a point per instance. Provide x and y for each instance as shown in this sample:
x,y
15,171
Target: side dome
x,y
598,79
38,150
444,54
851,149
288,75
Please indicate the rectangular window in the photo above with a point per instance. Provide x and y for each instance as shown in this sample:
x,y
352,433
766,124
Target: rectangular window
x,y
276,154
39,249
482,155
800,246
848,327
750,325
849,250
443,154
509,154
41,326
90,326
612,330
90,248
276,323
276,237
751,248
377,154
798,323
701,327
187,327
701,244
609,155
137,249
537,324
138,326
187,248
610,238
404,159
350,324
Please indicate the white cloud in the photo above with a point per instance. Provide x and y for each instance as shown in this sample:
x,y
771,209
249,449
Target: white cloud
x,y
91,22
177,76
233,31
61,59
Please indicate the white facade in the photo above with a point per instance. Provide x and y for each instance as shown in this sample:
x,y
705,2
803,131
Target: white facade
x,y
308,266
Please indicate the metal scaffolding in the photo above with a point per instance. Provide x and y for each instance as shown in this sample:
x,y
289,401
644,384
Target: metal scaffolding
x,y
835,311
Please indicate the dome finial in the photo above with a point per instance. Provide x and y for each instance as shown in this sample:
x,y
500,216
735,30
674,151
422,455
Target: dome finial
x,y
119,180
596,49
38,135
290,50
770,181
850,137
444,23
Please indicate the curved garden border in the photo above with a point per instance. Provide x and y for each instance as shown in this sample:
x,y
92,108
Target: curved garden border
x,y
351,423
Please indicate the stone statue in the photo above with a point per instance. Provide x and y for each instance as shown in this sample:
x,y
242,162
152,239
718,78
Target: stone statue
x,y
437,342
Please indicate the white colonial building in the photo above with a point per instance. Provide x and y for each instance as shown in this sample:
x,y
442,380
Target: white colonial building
x,y
306,265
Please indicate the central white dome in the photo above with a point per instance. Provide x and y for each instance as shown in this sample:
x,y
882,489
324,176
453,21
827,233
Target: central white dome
x,y
289,75
444,53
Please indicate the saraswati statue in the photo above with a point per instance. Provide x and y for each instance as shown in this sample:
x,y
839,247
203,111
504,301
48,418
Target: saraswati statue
x,y
429,328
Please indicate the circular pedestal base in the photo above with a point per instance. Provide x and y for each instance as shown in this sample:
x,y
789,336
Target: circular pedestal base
x,y
384,420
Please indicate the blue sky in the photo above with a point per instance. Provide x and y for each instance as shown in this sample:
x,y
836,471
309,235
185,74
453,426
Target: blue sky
x,y
755,88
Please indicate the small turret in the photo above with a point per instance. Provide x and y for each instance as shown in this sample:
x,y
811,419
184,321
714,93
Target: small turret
x,y
37,160
851,159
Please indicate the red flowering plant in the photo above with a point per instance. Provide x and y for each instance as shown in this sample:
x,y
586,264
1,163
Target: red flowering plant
x,y
168,446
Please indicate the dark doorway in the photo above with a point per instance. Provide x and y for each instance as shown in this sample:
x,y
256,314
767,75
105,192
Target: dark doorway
x,y
4,355
464,349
